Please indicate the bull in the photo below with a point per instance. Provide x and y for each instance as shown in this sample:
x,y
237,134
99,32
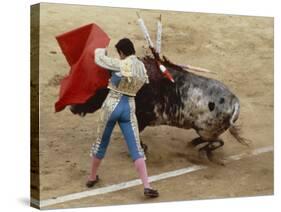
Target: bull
x,y
191,102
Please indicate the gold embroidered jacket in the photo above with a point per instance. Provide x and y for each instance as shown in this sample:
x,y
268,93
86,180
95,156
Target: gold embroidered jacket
x,y
131,71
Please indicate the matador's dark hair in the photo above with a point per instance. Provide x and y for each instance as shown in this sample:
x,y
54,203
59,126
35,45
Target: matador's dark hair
x,y
126,46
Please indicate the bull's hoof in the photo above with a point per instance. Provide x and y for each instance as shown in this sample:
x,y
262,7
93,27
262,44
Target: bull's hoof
x,y
144,147
206,152
214,160
202,154
219,162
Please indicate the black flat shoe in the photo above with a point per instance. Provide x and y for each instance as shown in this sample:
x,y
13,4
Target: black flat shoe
x,y
91,183
149,192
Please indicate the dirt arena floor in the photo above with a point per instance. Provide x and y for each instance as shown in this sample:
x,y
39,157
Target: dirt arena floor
x,y
239,48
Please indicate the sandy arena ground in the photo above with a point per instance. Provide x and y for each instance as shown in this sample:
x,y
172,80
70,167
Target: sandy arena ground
x,y
238,48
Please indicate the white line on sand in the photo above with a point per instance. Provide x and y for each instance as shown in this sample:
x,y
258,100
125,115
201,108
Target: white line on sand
x,y
132,183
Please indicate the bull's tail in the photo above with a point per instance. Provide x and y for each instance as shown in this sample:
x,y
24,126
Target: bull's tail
x,y
235,130
235,113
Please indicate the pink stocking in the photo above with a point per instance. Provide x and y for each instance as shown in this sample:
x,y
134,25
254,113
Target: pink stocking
x,y
141,168
95,165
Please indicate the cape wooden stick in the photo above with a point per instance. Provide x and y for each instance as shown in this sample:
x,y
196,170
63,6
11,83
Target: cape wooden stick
x,y
158,36
197,69
144,30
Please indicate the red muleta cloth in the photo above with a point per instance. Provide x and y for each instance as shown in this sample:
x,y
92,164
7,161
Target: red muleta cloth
x,y
85,77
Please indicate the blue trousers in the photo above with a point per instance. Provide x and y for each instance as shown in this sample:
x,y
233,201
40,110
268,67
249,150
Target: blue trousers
x,y
118,108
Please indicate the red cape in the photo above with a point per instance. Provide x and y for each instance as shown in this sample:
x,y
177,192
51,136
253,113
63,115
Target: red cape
x,y
85,77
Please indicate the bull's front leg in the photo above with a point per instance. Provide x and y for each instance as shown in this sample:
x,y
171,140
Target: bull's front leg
x,y
197,141
207,147
210,147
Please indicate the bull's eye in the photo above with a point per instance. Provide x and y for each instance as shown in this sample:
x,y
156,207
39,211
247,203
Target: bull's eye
x,y
211,106
221,100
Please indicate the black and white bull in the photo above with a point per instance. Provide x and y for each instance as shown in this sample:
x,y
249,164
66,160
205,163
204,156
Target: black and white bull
x,y
192,102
